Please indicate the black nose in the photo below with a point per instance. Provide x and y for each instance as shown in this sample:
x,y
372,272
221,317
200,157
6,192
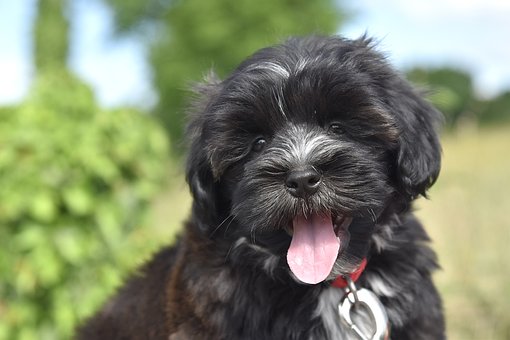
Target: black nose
x,y
303,182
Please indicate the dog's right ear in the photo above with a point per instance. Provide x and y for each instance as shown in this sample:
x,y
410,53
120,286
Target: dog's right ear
x,y
199,173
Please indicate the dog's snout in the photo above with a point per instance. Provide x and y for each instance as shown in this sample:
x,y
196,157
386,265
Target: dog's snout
x,y
303,182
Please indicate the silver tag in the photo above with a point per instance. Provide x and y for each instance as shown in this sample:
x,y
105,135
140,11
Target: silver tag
x,y
364,298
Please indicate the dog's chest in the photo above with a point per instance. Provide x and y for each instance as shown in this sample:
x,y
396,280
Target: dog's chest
x,y
327,312
333,325
283,317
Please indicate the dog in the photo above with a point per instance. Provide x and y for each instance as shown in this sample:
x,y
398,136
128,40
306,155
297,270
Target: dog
x,y
303,166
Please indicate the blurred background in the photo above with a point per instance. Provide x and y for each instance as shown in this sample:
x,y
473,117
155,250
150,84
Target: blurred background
x,y
91,113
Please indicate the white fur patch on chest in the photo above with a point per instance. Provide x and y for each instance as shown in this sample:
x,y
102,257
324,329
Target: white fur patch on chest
x,y
328,310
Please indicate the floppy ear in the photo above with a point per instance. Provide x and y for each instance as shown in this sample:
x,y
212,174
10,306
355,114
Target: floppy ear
x,y
418,157
198,169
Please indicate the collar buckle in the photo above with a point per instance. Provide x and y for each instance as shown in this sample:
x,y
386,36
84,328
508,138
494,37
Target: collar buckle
x,y
364,301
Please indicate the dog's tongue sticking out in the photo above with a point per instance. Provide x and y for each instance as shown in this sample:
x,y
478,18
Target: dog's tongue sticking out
x,y
313,249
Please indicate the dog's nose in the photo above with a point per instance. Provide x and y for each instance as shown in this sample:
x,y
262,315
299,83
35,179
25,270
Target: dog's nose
x,y
303,182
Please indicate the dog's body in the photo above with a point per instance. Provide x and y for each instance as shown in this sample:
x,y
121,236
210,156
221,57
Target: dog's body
x,y
303,163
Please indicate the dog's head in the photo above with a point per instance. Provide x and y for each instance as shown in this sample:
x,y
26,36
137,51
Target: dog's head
x,y
306,148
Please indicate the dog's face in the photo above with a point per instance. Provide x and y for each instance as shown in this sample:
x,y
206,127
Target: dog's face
x,y
306,148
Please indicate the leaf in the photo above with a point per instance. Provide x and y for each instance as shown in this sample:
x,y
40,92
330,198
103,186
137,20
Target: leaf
x,y
78,200
46,264
69,245
43,207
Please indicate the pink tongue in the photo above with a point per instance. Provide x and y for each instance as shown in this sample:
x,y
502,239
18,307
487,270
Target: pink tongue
x,y
314,248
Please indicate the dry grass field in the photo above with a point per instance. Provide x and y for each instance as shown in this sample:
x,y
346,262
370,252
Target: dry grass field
x,y
468,218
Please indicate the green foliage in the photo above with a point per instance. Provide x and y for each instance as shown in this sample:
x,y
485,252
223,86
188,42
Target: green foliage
x,y
197,35
75,182
51,30
496,110
131,15
451,91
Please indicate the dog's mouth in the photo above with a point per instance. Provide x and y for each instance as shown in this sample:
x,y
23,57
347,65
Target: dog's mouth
x,y
317,240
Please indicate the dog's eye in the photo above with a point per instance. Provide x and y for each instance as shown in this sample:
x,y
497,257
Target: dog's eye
x,y
258,144
335,128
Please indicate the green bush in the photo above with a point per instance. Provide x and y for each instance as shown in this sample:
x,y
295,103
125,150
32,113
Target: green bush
x,y
495,111
451,89
75,183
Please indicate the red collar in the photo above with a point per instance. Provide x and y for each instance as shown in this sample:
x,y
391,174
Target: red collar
x,y
340,282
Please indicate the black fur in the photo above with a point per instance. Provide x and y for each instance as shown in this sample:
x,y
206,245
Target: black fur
x,y
328,103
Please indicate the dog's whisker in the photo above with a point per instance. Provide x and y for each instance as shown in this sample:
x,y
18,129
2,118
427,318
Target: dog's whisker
x,y
219,226
372,214
229,223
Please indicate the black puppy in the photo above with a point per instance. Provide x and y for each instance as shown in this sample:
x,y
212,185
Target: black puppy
x,y
303,165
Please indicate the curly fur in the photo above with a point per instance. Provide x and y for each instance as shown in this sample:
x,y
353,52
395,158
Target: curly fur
x,y
226,277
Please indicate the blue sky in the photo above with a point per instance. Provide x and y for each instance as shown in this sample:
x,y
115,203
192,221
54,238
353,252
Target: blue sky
x,y
468,34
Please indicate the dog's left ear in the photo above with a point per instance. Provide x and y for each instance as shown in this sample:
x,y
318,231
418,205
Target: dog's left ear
x,y
418,157
198,169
